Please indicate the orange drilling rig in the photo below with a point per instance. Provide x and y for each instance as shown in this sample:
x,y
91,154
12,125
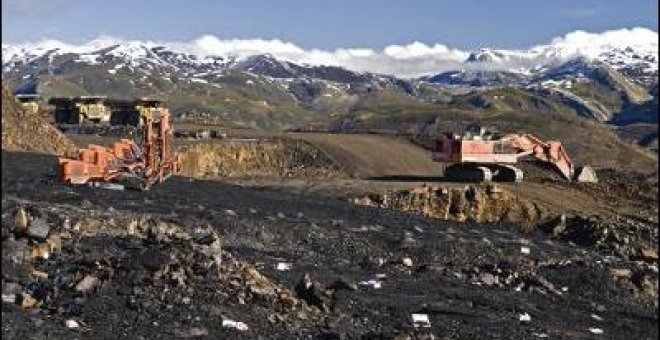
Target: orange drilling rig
x,y
482,157
136,165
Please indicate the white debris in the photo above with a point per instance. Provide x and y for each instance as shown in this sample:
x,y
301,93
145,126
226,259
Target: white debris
x,y
541,335
596,331
373,283
421,320
407,261
282,266
230,212
525,317
9,298
109,186
72,324
596,317
525,250
241,326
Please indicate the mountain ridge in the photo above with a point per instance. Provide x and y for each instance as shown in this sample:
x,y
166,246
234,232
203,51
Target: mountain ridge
x,y
634,48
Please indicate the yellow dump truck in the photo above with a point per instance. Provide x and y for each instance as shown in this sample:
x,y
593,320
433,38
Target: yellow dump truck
x,y
76,110
129,112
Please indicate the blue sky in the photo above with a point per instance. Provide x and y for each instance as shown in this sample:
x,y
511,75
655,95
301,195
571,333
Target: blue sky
x,y
326,24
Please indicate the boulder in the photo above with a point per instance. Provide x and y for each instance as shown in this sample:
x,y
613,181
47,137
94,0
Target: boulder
x,y
21,221
586,174
87,285
649,255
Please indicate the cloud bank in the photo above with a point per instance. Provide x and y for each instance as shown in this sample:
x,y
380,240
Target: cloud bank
x,y
411,60
22,9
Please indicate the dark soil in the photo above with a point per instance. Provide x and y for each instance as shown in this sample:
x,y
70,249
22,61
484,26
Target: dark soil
x,y
474,281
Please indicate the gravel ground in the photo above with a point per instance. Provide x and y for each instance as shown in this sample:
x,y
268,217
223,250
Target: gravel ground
x,y
198,258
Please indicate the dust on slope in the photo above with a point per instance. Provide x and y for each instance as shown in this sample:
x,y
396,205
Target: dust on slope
x,y
374,156
22,131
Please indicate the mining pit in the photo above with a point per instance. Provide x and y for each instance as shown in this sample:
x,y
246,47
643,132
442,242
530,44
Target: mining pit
x,y
329,237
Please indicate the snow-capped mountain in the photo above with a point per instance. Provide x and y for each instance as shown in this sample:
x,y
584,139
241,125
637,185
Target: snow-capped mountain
x,y
258,83
133,56
637,47
632,51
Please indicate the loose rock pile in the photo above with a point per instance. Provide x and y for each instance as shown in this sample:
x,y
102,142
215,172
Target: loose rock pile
x,y
625,237
59,264
633,240
24,131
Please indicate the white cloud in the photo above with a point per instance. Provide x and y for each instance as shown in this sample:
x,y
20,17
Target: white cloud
x,y
622,38
409,60
22,9
404,60
211,45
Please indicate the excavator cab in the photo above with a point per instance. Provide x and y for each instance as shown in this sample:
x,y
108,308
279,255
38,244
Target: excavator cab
x,y
474,131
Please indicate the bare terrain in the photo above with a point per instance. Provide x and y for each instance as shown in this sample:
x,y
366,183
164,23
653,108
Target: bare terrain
x,y
285,235
195,254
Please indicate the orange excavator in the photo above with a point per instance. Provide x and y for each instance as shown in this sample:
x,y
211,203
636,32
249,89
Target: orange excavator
x,y
479,156
131,164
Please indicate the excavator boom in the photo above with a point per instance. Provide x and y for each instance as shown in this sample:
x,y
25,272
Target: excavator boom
x,y
552,152
479,156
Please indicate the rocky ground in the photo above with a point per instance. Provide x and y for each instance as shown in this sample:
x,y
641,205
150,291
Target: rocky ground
x,y
208,258
329,237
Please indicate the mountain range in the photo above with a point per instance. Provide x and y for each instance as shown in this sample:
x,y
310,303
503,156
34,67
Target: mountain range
x,y
609,77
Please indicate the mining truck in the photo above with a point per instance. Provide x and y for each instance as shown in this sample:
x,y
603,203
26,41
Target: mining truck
x,y
131,112
77,110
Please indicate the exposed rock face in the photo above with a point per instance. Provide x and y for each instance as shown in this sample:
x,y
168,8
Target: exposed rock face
x,y
254,158
24,131
478,203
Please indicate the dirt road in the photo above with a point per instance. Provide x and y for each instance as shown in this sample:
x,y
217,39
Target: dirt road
x,y
366,156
